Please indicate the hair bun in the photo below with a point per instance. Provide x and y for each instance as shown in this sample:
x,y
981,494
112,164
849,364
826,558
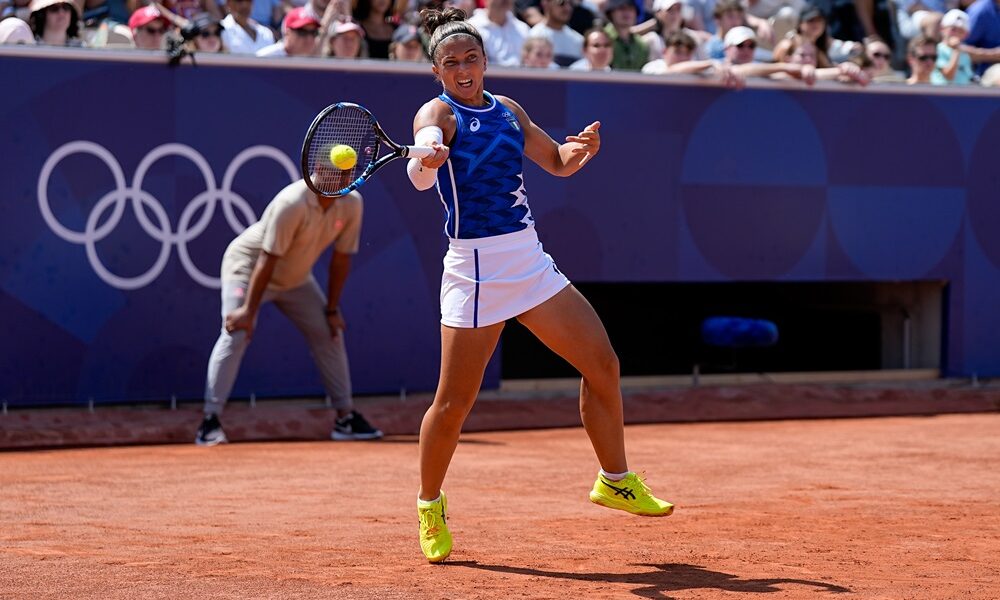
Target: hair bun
x,y
432,18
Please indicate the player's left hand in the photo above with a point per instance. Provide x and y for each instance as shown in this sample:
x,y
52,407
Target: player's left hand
x,y
589,139
335,321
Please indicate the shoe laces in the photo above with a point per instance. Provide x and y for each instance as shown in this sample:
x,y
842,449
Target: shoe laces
x,y
640,482
430,525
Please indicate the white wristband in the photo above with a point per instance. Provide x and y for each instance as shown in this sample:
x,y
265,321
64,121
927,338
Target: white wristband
x,y
422,177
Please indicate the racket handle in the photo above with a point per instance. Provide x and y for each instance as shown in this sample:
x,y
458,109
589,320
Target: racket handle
x,y
419,151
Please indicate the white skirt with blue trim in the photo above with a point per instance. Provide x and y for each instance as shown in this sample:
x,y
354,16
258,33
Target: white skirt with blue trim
x,y
492,279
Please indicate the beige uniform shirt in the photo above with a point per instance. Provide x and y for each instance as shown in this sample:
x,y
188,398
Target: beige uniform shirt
x,y
295,228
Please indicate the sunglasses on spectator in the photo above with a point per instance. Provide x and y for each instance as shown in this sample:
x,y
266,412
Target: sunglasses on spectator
x,y
747,45
925,57
882,55
58,8
214,32
154,30
307,32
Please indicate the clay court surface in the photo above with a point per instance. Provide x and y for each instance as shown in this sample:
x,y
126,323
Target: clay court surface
x,y
855,508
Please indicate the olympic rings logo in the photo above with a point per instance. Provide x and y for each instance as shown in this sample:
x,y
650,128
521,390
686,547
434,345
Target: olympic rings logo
x,y
161,231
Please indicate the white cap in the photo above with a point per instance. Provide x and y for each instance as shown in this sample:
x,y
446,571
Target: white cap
x,y
738,35
15,31
955,18
659,5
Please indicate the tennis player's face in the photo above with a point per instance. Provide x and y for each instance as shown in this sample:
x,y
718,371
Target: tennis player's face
x,y
460,65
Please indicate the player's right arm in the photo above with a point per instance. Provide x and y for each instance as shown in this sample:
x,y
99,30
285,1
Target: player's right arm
x,y
244,316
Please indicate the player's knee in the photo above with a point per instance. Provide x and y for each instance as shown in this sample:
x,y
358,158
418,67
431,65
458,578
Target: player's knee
x,y
603,369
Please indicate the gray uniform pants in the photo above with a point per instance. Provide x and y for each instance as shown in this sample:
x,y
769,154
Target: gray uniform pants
x,y
305,306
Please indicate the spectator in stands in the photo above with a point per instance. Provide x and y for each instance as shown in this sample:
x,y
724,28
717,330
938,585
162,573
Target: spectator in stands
x,y
984,33
407,45
209,38
598,52
503,34
954,66
813,26
799,50
669,19
630,51
881,70
567,43
347,40
14,31
581,18
677,60
149,28
922,55
186,9
240,33
55,23
729,14
537,53
300,33
741,43
911,14
273,261
379,20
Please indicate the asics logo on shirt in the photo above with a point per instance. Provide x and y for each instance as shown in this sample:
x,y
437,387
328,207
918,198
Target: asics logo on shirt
x,y
474,125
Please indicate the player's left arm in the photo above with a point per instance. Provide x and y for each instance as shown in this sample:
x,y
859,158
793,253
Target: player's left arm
x,y
561,160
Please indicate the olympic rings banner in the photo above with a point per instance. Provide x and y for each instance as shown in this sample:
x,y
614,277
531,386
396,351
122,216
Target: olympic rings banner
x,y
124,182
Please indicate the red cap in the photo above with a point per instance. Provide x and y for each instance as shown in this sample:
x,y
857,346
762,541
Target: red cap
x,y
297,18
145,16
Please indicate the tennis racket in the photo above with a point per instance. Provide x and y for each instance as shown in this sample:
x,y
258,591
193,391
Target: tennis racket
x,y
349,124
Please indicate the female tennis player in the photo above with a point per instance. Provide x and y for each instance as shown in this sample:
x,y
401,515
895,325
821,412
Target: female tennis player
x,y
495,269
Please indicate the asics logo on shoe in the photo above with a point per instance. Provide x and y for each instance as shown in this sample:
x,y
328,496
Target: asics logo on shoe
x,y
624,492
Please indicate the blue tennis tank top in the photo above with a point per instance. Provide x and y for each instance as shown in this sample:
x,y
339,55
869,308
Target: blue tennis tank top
x,y
481,185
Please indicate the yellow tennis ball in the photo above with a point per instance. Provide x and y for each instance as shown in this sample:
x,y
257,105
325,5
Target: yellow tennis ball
x,y
343,157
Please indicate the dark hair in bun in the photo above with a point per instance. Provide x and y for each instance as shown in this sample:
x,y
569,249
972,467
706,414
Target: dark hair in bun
x,y
441,24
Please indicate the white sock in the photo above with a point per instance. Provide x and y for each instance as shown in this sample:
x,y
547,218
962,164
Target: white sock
x,y
421,503
615,476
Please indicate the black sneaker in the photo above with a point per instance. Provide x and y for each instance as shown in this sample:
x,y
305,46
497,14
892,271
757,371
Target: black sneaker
x,y
354,427
210,432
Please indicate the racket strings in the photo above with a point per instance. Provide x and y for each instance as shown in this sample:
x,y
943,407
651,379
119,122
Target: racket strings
x,y
348,126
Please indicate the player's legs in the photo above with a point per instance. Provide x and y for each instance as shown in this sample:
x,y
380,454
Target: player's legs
x,y
568,325
305,307
464,355
224,362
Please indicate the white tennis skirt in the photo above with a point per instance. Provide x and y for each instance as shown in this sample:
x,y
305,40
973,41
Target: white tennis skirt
x,y
492,279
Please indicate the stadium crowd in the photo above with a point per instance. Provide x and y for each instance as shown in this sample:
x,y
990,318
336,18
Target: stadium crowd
x,y
855,42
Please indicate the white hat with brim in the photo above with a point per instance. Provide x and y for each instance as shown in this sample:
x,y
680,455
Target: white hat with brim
x,y
738,35
955,18
37,5
659,5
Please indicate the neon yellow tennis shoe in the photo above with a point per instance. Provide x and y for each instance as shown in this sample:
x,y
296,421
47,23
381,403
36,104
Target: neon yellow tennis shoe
x,y
435,539
629,494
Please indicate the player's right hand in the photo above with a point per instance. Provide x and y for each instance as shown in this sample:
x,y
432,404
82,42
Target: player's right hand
x,y
439,157
241,318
